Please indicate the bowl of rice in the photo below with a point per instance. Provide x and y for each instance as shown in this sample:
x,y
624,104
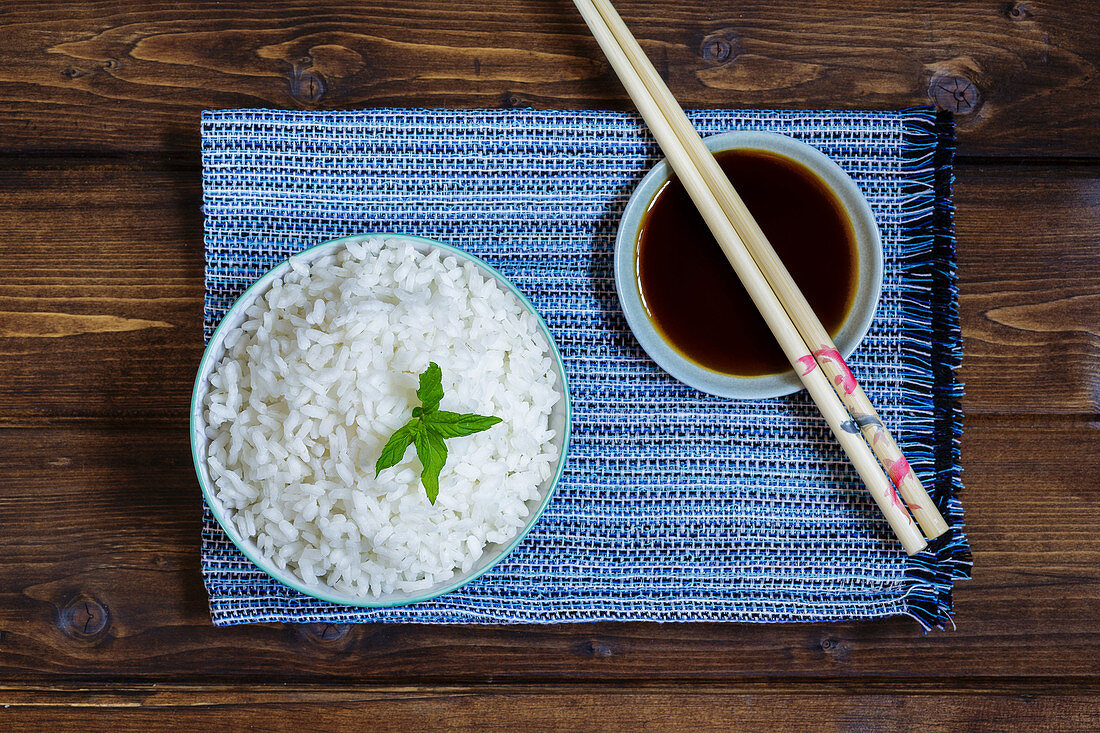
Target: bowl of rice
x,y
314,369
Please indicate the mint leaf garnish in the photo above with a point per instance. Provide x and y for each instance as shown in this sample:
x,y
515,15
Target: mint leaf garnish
x,y
432,452
395,447
427,430
431,388
454,425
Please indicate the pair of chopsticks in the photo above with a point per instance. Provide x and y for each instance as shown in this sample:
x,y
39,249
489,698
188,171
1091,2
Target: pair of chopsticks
x,y
803,339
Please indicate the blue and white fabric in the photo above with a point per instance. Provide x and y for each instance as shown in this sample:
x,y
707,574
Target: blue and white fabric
x,y
675,505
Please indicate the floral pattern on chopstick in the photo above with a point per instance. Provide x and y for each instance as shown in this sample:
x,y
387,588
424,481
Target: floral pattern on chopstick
x,y
843,378
856,424
897,469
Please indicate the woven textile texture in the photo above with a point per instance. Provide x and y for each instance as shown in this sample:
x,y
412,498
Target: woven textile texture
x,y
674,506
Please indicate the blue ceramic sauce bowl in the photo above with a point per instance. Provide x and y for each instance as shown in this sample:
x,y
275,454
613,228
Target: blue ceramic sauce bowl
x,y
868,279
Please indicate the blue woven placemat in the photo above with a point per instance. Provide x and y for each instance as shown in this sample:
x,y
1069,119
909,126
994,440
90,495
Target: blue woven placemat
x,y
675,506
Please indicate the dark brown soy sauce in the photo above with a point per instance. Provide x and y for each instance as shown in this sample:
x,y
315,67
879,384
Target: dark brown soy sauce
x,y
693,295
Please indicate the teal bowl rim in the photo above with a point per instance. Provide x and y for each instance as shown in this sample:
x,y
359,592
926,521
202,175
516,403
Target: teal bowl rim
x,y
289,580
856,323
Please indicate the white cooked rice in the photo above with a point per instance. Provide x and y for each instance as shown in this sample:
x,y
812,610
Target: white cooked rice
x,y
322,372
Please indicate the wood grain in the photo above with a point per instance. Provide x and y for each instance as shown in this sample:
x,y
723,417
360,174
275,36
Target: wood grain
x,y
542,708
101,580
1029,269
106,262
100,291
122,76
103,618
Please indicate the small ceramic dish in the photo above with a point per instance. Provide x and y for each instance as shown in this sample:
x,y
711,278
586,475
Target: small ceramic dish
x,y
560,419
868,279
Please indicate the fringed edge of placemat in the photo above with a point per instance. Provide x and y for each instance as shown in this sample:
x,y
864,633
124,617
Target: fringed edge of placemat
x,y
929,252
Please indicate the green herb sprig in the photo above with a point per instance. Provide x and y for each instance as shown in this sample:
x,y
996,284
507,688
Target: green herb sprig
x,y
427,430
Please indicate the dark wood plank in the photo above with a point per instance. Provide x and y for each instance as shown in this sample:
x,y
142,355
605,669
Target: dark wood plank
x,y
100,579
126,75
1029,266
541,708
100,291
106,262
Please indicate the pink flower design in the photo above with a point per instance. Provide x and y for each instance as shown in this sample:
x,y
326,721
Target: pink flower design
x,y
845,378
892,493
897,471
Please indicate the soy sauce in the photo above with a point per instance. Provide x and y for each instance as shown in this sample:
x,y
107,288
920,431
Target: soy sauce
x,y
692,293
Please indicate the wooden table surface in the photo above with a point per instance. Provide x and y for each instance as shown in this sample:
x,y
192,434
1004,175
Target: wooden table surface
x,y
103,615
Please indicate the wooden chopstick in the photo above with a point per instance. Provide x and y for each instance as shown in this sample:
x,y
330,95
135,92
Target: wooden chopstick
x,y
825,353
790,340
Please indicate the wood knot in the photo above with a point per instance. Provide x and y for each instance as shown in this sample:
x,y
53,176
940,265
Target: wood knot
x,y
84,618
955,94
325,633
716,49
307,87
834,649
594,649
1017,11
511,100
